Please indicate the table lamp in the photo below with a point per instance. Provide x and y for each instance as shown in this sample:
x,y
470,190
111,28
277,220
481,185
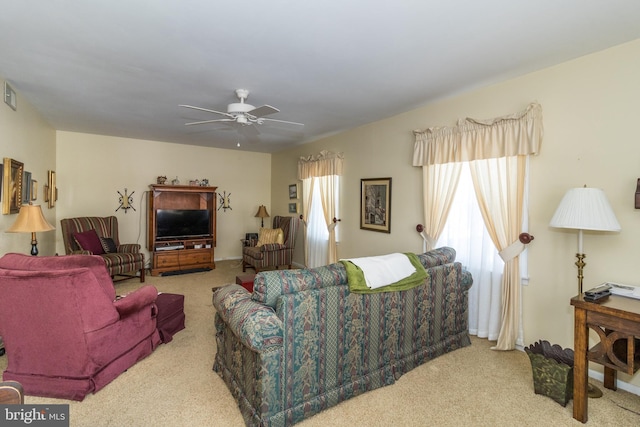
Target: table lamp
x,y
31,220
262,214
584,209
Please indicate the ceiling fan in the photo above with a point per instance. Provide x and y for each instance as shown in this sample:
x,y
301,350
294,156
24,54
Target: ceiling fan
x,y
243,114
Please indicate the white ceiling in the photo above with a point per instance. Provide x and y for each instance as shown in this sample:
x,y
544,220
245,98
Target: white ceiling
x,y
122,67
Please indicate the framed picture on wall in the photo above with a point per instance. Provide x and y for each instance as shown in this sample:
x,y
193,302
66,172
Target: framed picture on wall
x,y
375,204
26,188
293,208
12,186
293,191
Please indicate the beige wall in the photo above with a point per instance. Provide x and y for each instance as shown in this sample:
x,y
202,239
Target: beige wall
x,y
93,168
590,115
29,139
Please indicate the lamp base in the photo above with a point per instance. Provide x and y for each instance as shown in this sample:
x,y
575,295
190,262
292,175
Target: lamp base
x,y
580,264
34,245
593,391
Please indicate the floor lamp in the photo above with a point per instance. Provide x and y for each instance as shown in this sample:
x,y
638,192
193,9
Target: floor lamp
x,y
31,220
585,209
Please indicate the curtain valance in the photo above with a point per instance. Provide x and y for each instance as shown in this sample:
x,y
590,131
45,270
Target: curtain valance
x,y
472,139
325,163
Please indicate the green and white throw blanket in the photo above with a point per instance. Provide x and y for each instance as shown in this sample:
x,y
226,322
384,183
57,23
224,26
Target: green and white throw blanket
x,y
386,273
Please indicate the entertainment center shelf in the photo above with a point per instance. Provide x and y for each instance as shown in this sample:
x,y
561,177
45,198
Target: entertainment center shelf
x,y
177,204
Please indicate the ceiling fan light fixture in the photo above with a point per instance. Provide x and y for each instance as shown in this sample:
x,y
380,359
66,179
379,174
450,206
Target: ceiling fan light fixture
x,y
239,108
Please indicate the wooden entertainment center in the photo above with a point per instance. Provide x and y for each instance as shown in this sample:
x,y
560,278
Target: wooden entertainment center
x,y
188,253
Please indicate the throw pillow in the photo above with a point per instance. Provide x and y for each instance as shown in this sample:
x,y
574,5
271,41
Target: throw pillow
x,y
108,245
89,241
270,236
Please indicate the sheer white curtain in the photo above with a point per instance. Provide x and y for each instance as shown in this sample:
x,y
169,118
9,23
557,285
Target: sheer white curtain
x,y
465,232
320,177
317,233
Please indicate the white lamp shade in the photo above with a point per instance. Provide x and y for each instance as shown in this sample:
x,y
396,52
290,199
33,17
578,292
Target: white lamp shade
x,y
585,209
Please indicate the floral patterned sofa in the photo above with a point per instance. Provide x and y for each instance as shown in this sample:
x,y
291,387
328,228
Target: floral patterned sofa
x,y
302,342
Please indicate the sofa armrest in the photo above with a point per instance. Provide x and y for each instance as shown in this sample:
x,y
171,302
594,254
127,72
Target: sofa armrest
x,y
81,252
136,300
466,280
267,247
129,248
256,325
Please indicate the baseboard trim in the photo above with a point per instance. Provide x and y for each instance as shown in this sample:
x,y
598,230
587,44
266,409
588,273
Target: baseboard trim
x,y
634,389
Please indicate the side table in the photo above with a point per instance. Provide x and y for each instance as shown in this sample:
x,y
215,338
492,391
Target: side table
x,y
617,323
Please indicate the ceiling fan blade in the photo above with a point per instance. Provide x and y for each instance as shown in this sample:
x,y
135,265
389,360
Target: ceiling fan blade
x,y
206,109
283,121
263,111
209,121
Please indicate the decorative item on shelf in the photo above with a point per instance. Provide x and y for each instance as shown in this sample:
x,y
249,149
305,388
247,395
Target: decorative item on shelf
x,y
262,214
31,220
375,204
161,180
175,181
126,201
194,182
225,201
204,182
12,186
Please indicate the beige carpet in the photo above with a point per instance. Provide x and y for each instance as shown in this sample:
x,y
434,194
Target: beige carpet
x,y
175,386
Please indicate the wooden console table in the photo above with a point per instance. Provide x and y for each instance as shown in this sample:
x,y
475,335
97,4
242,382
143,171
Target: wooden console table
x,y
617,323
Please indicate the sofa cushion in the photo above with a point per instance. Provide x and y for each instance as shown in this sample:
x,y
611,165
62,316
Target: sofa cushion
x,y
108,245
269,285
89,241
439,256
270,236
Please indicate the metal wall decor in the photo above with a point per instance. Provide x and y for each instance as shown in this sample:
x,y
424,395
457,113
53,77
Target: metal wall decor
x,y
126,201
225,201
50,190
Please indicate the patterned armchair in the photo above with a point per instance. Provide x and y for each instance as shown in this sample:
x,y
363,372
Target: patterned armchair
x,y
273,254
121,259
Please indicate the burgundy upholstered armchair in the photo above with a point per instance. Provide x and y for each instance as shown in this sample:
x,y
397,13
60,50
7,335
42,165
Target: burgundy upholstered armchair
x,y
65,333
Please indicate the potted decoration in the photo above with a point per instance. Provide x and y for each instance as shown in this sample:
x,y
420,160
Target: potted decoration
x,y
552,368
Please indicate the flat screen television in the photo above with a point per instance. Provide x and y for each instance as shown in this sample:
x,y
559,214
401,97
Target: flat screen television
x,y
182,223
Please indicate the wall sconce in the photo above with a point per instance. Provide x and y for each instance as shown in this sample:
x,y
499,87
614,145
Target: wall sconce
x,y
225,201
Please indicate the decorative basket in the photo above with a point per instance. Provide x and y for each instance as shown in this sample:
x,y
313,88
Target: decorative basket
x,y
552,369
